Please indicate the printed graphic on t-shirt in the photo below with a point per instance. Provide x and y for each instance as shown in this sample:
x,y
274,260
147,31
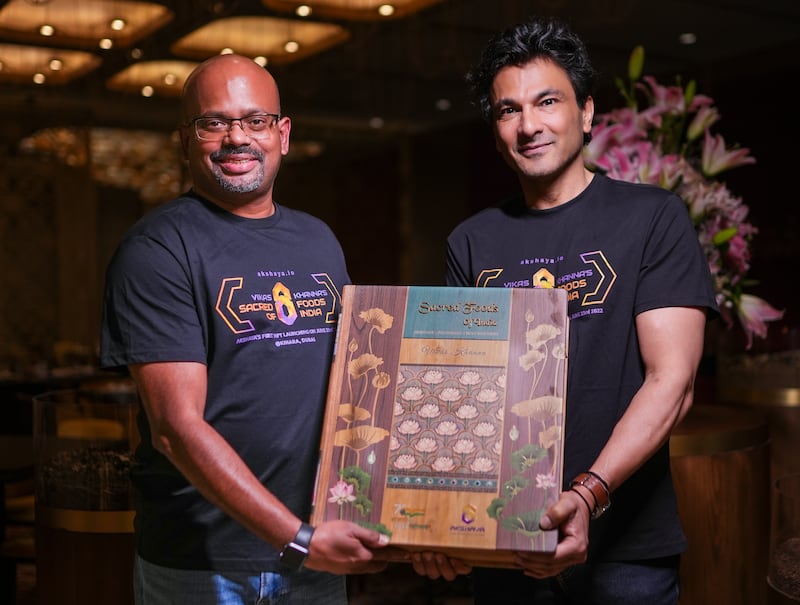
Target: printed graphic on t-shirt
x,y
588,284
277,312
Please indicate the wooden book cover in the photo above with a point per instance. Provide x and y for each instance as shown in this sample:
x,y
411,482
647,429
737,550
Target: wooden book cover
x,y
444,419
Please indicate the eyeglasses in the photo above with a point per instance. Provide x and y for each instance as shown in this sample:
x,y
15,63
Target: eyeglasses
x,y
214,128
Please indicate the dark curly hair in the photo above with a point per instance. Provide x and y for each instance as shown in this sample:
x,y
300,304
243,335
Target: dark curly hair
x,y
539,37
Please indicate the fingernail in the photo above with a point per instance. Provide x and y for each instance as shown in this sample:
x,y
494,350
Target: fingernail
x,y
383,539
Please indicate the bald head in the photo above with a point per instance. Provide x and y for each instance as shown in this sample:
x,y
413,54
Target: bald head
x,y
225,74
237,169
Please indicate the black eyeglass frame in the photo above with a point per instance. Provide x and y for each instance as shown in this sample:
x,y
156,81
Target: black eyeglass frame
x,y
195,122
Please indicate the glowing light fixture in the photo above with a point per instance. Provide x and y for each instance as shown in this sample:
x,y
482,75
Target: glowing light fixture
x,y
26,64
149,78
362,10
82,23
277,40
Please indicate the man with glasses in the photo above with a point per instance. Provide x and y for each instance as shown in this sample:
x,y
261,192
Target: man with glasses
x,y
222,304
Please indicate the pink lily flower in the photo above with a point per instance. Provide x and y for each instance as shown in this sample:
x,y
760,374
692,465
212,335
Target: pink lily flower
x,y
716,158
701,122
753,314
667,98
659,142
738,254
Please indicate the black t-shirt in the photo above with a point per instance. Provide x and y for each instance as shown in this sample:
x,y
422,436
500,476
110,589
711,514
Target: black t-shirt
x,y
619,249
257,301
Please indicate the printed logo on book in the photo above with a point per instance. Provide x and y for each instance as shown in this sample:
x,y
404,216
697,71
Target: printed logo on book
x,y
406,517
469,515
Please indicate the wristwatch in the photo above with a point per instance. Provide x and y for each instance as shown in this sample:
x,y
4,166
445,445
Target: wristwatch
x,y
295,552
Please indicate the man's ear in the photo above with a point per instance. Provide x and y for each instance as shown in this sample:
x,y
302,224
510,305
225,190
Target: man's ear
x,y
588,114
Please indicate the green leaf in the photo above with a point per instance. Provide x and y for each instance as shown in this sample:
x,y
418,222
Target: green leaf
x,y
357,477
379,527
526,523
690,92
636,64
724,235
525,457
363,505
630,101
515,485
496,508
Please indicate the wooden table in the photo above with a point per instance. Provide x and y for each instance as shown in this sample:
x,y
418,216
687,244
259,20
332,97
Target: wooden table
x,y
16,463
720,465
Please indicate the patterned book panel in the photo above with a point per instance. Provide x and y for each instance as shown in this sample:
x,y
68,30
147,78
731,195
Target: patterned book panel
x,y
444,419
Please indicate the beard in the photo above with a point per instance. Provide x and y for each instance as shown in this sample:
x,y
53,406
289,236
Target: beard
x,y
244,184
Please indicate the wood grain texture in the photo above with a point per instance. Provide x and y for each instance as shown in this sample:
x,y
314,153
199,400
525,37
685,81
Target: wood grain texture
x,y
721,479
444,421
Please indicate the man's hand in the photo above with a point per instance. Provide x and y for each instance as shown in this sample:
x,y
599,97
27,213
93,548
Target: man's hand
x,y
435,565
571,516
342,547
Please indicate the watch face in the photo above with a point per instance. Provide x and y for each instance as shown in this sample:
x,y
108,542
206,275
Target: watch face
x,y
295,552
293,555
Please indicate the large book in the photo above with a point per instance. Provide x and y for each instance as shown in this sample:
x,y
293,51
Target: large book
x,y
444,420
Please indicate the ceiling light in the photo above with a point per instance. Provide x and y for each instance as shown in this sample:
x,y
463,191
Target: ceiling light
x,y
58,66
163,77
304,10
82,22
348,9
443,104
279,40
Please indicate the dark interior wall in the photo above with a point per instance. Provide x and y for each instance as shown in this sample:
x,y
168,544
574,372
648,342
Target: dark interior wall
x,y
456,173
357,193
28,273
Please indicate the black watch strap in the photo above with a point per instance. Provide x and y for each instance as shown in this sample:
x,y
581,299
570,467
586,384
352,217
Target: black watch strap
x,y
295,552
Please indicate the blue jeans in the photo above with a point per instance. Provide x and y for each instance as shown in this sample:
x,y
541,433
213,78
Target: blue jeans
x,y
156,585
652,582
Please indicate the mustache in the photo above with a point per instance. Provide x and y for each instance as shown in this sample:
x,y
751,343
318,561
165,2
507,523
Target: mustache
x,y
222,154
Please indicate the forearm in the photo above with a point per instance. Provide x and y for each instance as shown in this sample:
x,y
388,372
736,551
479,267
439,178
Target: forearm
x,y
173,396
654,411
220,475
671,344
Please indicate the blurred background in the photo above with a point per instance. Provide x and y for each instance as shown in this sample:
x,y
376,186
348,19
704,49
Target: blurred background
x,y
385,145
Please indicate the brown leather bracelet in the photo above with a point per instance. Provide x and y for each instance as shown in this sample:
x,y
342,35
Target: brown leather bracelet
x,y
598,489
582,497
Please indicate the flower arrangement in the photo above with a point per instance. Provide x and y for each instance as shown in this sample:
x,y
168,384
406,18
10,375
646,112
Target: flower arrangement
x,y
668,142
